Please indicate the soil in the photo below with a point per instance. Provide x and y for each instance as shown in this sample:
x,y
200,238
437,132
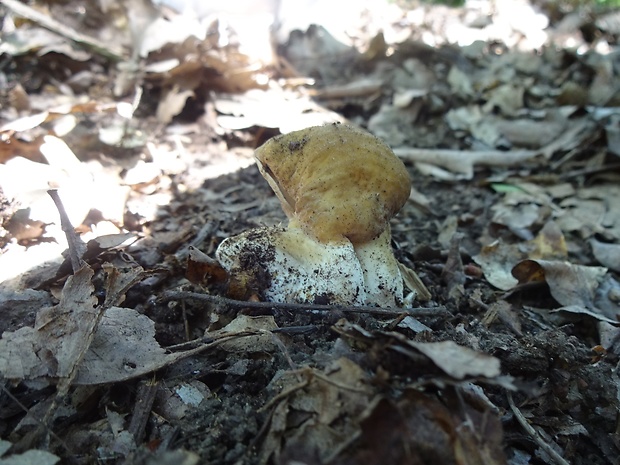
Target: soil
x,y
562,382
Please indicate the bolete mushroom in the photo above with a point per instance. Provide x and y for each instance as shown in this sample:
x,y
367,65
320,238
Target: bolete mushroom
x,y
339,187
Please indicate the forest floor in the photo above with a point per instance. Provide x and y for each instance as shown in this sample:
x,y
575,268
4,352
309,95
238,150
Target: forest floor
x,y
126,349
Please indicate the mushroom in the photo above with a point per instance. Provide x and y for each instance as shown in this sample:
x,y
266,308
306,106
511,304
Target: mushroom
x,y
339,187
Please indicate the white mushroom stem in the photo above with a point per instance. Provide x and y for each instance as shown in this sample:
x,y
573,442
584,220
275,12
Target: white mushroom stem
x,y
290,266
382,279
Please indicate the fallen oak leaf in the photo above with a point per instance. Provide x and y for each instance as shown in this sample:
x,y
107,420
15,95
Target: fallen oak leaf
x,y
457,361
314,412
123,348
61,336
579,310
263,342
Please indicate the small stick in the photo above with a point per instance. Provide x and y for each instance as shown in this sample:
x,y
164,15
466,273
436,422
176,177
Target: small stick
x,y
76,245
25,442
529,429
142,409
196,296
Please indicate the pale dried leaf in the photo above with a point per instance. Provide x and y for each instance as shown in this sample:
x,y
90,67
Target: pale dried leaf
x,y
124,347
259,343
63,333
459,361
570,284
607,255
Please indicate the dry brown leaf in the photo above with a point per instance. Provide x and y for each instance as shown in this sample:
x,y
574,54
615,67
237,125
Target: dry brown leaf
x,y
569,284
520,218
506,314
202,269
590,212
414,283
60,337
419,429
106,347
40,457
549,244
64,332
120,277
457,361
572,286
498,259
316,416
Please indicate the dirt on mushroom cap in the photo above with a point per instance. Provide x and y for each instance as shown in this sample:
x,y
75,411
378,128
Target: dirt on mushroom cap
x,y
336,181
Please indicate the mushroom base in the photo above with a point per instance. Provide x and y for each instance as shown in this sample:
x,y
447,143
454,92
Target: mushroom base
x,y
286,265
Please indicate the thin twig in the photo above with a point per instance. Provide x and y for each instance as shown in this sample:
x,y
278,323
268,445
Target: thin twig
x,y
280,345
42,425
529,429
589,171
283,395
76,245
196,296
147,391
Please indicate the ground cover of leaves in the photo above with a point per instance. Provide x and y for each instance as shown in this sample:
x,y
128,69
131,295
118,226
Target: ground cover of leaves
x,y
128,350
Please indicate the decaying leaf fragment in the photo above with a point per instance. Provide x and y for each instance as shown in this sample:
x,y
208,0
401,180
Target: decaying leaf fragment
x,y
419,429
338,415
458,361
82,342
574,287
316,411
498,259
455,361
59,338
262,342
339,187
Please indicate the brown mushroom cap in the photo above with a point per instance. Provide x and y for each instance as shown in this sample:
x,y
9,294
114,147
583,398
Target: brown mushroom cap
x,y
335,181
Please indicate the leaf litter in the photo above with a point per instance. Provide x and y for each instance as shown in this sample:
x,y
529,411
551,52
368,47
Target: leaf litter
x,y
128,350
